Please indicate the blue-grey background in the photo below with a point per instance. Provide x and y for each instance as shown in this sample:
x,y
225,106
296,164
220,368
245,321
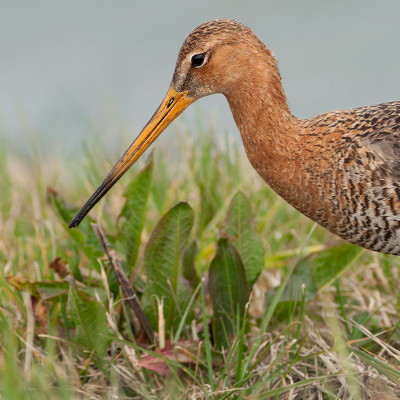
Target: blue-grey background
x,y
69,67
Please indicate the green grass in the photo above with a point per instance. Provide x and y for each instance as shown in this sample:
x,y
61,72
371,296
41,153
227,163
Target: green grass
x,y
322,320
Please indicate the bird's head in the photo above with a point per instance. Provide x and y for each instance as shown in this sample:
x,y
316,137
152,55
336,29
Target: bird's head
x,y
213,59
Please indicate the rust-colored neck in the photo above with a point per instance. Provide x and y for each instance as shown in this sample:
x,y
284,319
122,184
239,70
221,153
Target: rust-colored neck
x,y
269,131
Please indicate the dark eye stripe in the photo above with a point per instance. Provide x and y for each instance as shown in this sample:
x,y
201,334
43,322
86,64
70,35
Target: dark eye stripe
x,y
198,60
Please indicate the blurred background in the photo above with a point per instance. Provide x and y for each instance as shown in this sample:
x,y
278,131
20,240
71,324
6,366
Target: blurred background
x,y
71,68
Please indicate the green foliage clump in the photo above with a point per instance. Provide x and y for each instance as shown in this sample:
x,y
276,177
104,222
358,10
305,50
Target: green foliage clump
x,y
201,242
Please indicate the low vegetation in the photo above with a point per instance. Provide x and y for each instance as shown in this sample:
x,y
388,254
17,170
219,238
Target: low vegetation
x,y
190,280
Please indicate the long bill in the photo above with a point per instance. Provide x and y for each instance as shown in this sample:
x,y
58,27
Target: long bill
x,y
173,105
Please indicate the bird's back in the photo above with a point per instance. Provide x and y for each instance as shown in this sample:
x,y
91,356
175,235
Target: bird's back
x,y
353,174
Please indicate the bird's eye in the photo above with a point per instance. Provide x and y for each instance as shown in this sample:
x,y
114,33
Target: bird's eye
x,y
198,60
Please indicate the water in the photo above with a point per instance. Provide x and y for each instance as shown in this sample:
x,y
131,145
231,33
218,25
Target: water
x,y
69,68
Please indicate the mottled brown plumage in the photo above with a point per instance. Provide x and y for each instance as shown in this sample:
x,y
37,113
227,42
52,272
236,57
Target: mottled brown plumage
x,y
341,168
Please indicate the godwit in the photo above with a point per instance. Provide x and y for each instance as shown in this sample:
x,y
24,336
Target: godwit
x,y
341,169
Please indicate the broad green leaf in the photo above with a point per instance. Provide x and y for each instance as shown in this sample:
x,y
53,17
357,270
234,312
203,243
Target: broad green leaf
x,y
228,288
162,260
330,264
134,212
188,269
83,235
301,276
319,270
91,321
238,226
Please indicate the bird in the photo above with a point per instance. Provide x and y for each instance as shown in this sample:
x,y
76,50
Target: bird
x,y
341,169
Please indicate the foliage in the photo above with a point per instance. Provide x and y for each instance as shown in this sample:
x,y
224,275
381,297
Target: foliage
x,y
202,240
229,291
133,214
162,260
239,226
